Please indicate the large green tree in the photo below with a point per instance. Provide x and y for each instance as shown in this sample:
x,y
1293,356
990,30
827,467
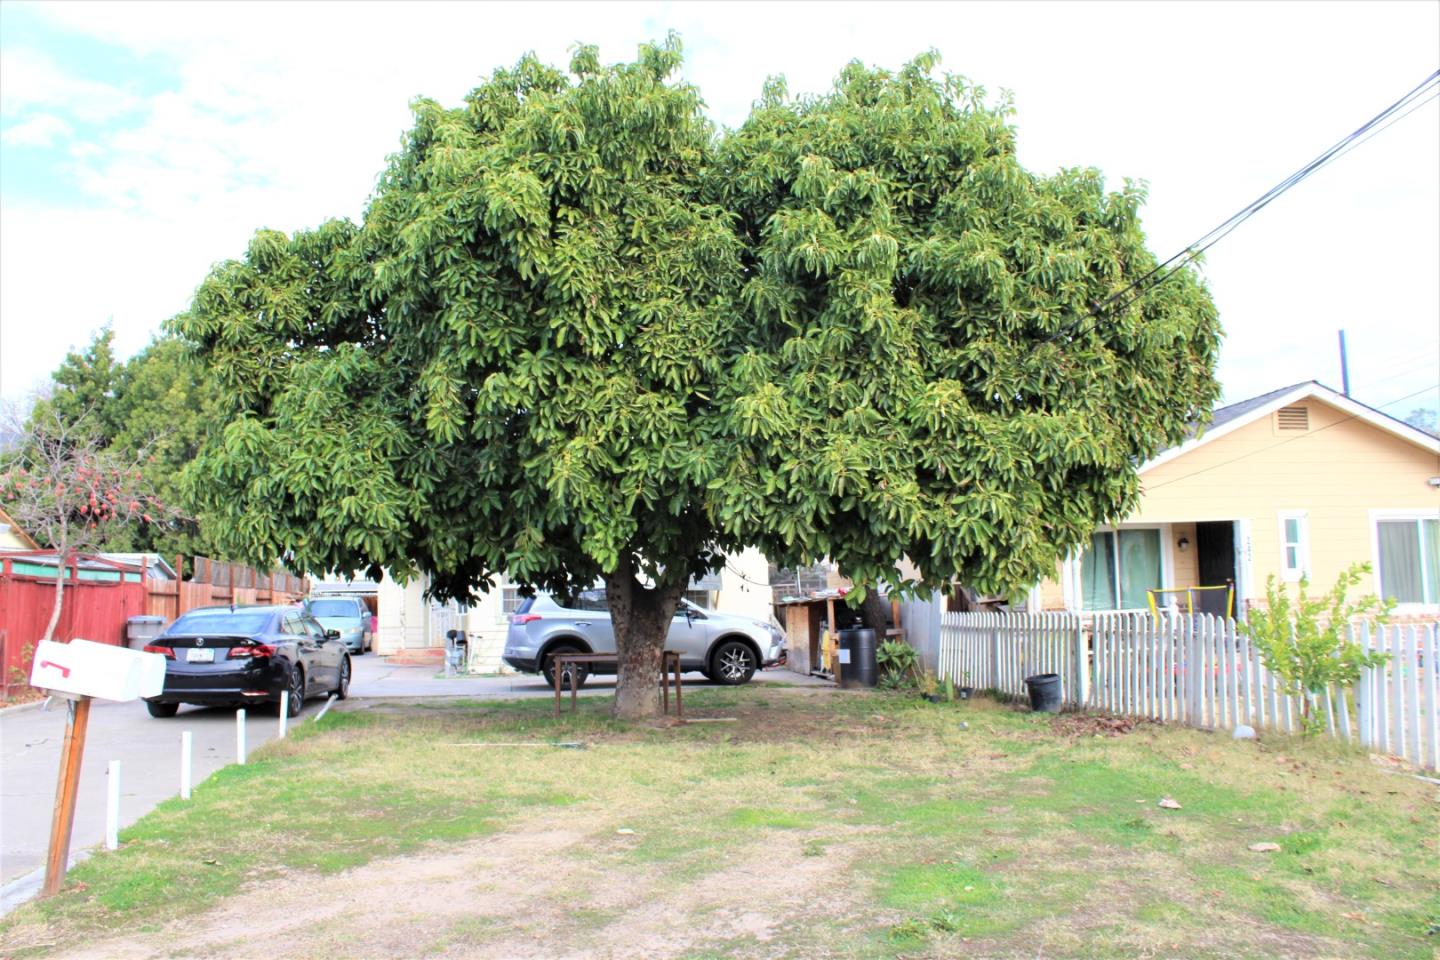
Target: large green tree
x,y
581,334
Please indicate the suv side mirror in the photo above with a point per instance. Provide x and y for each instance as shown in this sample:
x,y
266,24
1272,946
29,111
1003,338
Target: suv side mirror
x,y
332,634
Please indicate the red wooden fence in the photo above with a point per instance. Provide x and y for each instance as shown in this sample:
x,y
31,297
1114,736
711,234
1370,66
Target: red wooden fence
x,y
97,609
92,609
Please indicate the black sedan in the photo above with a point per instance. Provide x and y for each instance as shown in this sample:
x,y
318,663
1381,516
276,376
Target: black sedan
x,y
232,656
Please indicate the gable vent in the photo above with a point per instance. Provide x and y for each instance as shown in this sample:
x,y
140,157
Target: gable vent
x,y
1293,418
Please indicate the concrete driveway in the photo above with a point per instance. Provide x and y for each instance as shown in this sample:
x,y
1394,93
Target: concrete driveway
x,y
374,677
149,754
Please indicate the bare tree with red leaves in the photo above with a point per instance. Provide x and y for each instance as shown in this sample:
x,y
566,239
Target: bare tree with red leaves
x,y
66,490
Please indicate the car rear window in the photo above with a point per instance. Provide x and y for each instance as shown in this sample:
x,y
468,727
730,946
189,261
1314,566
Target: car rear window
x,y
334,608
220,621
525,604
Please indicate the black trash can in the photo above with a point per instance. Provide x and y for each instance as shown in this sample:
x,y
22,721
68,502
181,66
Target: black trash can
x,y
1044,692
857,658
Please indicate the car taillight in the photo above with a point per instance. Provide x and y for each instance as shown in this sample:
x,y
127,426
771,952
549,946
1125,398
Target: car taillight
x,y
258,650
525,617
153,648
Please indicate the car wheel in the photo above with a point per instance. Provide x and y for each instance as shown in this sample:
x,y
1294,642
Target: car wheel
x,y
732,664
342,688
295,690
162,710
575,673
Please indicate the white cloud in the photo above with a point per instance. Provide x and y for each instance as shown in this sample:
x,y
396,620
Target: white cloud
x,y
282,116
29,79
41,131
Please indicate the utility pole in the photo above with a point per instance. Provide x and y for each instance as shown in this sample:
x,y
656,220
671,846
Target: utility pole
x,y
1344,367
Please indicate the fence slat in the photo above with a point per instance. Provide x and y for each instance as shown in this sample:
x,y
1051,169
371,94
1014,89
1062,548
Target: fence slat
x,y
1397,696
1363,692
1430,663
1410,649
1342,715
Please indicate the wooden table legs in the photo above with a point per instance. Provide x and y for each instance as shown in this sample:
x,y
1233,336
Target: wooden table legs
x,y
670,669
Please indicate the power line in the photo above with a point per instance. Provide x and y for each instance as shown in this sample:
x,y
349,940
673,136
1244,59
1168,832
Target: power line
x,y
1382,121
1281,443
1387,126
1344,145
743,577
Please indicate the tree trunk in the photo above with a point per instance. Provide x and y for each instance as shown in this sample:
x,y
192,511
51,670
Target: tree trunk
x,y
640,617
59,594
875,612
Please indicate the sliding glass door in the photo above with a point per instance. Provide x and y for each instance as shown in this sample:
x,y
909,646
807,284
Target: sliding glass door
x,y
1120,568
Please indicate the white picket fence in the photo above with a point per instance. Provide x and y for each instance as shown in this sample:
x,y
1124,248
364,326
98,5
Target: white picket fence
x,y
1140,665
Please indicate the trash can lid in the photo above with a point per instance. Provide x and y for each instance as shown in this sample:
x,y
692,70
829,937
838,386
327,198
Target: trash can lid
x,y
144,618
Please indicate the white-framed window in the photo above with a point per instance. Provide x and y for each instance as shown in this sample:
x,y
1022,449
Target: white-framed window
x,y
1294,545
1407,553
1121,567
510,600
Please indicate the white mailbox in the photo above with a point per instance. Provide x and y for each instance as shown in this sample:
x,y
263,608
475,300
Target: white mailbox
x,y
101,670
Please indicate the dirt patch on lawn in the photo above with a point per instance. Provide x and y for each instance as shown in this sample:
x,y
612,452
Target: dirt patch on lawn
x,y
523,894
1075,725
754,896
386,908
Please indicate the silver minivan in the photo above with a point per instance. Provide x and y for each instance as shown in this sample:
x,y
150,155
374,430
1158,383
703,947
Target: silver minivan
x,y
726,648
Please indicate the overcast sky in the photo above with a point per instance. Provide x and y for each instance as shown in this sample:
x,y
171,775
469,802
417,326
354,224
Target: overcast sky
x,y
141,143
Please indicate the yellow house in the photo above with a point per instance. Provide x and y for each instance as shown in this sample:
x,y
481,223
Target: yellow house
x,y
12,537
1302,481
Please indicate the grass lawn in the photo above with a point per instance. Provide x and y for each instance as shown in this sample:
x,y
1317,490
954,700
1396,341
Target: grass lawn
x,y
819,824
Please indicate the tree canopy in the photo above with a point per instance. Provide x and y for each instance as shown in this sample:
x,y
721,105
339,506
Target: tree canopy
x,y
152,411
581,333
924,371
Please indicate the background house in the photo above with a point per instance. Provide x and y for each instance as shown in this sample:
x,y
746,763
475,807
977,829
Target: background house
x,y
412,627
12,537
1301,481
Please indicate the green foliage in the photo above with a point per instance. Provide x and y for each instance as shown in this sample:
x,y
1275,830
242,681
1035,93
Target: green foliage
x,y
922,376
511,364
928,683
1305,643
897,661
578,329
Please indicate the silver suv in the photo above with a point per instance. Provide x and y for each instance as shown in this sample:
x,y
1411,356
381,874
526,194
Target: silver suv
x,y
726,648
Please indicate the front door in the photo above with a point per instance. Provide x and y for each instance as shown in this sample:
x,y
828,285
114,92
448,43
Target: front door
x,y
1215,557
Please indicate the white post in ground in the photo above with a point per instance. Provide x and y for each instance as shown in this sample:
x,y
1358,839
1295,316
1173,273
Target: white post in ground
x,y
186,747
112,807
284,715
240,736
328,704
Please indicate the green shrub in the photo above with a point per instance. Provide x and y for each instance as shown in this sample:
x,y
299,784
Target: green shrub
x,y
897,661
1306,643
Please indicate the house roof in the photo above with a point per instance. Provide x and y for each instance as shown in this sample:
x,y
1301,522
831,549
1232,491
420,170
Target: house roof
x,y
1223,415
1233,416
156,566
17,530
